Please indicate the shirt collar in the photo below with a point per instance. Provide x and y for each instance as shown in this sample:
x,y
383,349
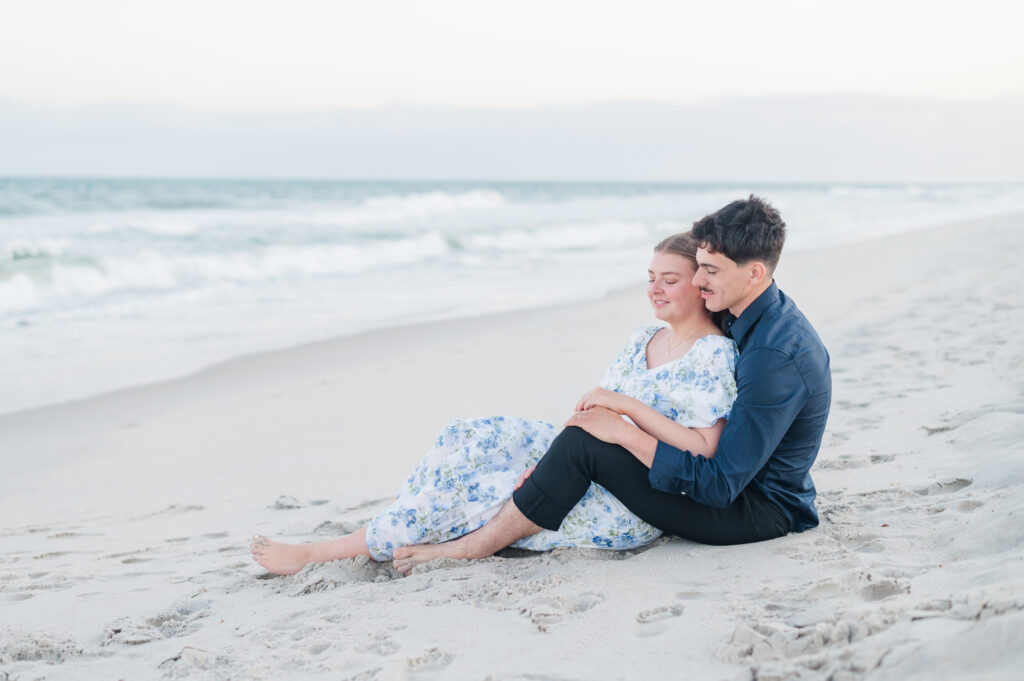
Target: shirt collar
x,y
742,325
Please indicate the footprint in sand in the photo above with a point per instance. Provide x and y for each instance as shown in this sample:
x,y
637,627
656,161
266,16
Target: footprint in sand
x,y
175,622
946,486
285,502
866,543
427,666
655,621
883,588
843,462
334,528
39,647
381,643
545,611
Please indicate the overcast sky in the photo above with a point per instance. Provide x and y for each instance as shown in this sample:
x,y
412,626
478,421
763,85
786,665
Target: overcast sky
x,y
82,69
330,53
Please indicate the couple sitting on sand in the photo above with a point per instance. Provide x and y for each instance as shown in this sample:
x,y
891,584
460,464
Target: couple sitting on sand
x,y
705,429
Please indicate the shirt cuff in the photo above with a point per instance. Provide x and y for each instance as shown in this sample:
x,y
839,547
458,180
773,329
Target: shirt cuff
x,y
668,468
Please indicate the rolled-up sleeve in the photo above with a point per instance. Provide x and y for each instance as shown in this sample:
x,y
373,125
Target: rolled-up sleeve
x,y
770,393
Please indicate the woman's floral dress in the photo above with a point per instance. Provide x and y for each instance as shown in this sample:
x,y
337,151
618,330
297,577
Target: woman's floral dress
x,y
472,468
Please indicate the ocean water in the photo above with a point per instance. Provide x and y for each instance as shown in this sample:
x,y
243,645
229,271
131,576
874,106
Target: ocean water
x,y
106,284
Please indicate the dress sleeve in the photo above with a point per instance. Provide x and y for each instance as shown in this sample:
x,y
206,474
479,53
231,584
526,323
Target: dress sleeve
x,y
707,390
623,364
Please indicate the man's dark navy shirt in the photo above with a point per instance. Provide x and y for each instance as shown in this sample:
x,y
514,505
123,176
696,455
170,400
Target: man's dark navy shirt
x,y
784,388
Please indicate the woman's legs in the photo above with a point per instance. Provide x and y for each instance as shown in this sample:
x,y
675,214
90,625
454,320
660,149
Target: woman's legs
x,y
287,559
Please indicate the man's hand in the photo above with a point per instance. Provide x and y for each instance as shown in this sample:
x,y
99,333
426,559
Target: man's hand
x,y
603,423
601,397
522,478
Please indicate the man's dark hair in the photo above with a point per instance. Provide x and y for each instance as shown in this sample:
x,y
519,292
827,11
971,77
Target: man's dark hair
x,y
744,230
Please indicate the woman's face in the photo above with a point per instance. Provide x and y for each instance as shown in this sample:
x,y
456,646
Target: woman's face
x,y
670,290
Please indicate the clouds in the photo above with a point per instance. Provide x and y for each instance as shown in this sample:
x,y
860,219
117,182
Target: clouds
x,y
315,54
784,139
737,90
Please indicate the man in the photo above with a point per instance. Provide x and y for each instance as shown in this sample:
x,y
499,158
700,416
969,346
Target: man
x,y
757,486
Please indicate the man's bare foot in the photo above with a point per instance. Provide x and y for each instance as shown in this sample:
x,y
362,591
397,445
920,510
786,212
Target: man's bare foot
x,y
279,558
503,529
408,557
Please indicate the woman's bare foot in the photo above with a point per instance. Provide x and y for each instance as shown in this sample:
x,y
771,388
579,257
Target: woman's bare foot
x,y
279,558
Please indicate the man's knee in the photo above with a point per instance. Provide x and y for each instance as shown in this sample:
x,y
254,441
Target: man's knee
x,y
567,453
576,449
571,443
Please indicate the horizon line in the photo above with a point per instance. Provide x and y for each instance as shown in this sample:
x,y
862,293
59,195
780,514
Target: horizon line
x,y
535,180
398,104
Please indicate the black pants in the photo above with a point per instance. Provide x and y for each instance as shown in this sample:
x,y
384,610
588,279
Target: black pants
x,y
577,458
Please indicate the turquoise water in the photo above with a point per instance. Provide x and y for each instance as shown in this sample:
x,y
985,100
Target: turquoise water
x,y
111,283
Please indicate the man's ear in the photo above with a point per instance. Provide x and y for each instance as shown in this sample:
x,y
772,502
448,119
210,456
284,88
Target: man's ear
x,y
757,272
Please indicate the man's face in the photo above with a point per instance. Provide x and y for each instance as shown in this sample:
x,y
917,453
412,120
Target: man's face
x,y
722,282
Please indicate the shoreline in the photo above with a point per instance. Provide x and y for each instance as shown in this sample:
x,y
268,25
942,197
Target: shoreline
x,y
614,292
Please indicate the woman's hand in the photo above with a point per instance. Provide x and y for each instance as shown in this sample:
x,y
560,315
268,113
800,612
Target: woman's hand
x,y
600,397
522,478
603,423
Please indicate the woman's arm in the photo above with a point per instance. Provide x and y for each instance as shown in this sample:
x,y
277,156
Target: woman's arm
x,y
609,426
701,441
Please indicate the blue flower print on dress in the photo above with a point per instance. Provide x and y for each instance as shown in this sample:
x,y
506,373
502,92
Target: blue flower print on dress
x,y
470,472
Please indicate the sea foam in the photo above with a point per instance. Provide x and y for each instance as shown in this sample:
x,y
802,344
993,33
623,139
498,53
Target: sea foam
x,y
103,278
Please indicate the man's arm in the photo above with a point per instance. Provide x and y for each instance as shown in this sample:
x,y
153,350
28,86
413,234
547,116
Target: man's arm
x,y
771,392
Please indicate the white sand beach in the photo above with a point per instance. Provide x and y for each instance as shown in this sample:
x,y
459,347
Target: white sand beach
x,y
125,518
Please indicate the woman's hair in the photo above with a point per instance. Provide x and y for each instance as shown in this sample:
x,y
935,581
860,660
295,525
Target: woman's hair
x,y
680,244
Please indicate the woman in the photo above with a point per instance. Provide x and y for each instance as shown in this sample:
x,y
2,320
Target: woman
x,y
675,383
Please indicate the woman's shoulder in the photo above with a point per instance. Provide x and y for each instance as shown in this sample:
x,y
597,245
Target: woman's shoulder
x,y
641,336
718,340
645,332
638,340
716,344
